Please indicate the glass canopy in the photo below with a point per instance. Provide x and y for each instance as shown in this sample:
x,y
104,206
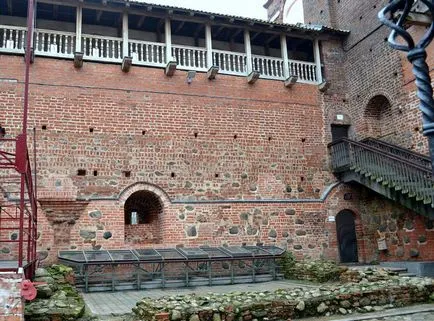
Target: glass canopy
x,y
170,254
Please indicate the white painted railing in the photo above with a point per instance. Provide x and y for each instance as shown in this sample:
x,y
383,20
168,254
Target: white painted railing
x,y
110,49
12,39
147,53
231,63
187,57
102,48
268,67
306,71
54,43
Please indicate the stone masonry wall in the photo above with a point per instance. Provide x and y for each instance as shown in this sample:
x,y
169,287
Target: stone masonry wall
x,y
11,303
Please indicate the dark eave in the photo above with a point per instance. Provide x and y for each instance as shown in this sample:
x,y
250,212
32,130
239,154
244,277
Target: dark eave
x,y
177,13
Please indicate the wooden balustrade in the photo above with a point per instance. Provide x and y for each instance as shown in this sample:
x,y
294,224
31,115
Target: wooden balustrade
x,y
147,53
102,48
110,49
190,58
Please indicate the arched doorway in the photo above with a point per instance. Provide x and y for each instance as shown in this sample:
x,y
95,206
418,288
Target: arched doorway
x,y
142,215
378,116
346,233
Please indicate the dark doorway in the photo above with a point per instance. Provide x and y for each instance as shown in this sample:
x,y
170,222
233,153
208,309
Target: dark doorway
x,y
339,131
347,240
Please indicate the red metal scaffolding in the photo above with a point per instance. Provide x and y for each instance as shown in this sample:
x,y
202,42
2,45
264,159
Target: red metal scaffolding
x,y
18,210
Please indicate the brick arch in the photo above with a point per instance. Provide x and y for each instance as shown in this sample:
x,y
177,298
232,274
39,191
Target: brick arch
x,y
377,115
150,203
142,186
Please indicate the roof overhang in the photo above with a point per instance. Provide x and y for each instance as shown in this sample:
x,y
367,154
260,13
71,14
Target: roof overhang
x,y
177,13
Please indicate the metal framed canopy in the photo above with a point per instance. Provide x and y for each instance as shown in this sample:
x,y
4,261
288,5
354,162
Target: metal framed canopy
x,y
128,269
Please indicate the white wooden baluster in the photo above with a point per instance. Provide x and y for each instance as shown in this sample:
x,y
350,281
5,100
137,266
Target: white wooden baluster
x,y
16,39
151,53
184,55
119,53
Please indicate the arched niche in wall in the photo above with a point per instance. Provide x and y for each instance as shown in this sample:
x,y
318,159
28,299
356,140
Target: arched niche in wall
x,y
144,206
377,117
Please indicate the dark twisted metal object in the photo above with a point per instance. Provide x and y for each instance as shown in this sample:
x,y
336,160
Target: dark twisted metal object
x,y
417,56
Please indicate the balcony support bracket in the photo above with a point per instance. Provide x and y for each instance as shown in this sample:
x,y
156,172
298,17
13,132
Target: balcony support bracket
x,y
127,62
291,81
170,68
78,60
253,77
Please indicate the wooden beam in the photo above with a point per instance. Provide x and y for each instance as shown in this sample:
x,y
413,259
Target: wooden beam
x,y
208,42
140,22
55,11
254,36
270,39
236,33
125,35
98,15
78,27
219,30
317,56
248,50
180,26
9,4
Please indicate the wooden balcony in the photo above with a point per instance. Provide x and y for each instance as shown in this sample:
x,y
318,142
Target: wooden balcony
x,y
59,44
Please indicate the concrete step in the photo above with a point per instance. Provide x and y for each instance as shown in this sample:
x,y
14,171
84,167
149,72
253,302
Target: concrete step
x,y
408,274
396,270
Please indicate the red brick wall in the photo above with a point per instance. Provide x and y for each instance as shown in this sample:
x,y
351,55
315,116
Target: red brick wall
x,y
369,68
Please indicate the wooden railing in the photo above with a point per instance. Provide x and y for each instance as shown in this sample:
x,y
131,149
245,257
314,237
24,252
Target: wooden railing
x,y
61,44
12,39
407,176
306,71
230,63
54,43
147,53
403,153
102,48
190,58
268,67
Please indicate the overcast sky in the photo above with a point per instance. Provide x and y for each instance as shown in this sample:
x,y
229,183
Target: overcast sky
x,y
244,8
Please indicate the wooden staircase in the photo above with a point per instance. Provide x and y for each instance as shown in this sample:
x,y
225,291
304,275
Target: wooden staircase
x,y
394,172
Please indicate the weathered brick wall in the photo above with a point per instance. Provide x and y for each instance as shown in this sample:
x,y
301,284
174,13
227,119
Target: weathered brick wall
x,y
209,141
11,303
370,69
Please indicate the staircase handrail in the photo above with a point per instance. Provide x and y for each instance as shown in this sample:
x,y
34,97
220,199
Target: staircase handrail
x,y
424,160
381,152
380,166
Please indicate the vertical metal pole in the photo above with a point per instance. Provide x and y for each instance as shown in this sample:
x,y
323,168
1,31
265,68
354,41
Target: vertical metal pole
x,y
168,38
208,38
284,49
317,56
248,49
30,21
78,27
